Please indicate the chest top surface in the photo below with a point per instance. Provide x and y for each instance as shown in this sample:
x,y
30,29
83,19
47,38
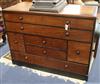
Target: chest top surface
x,y
69,10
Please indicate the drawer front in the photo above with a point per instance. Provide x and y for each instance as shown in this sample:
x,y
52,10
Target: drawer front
x,y
55,54
45,42
50,63
35,50
55,32
50,53
60,65
16,42
33,40
76,68
20,57
78,52
78,23
79,35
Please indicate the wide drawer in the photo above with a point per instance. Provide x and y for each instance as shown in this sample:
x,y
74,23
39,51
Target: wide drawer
x,y
45,42
78,52
50,53
78,23
16,41
72,34
51,63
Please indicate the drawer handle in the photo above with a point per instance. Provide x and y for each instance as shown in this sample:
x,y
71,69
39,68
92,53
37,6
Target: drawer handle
x,y
26,57
67,25
44,52
44,42
67,22
16,42
20,18
66,66
78,52
22,28
67,33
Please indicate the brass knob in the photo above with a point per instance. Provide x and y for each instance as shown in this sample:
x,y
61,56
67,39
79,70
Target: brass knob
x,y
66,66
44,52
26,57
77,52
67,33
16,42
22,28
20,18
44,42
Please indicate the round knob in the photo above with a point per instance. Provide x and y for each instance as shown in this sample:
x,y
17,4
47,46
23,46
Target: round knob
x,y
20,18
67,33
66,66
77,52
22,28
67,22
16,42
44,52
26,57
44,42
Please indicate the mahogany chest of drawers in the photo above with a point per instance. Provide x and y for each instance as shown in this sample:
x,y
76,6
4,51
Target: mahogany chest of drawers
x,y
61,41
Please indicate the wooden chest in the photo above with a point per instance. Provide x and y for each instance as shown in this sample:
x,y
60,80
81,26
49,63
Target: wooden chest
x,y
61,41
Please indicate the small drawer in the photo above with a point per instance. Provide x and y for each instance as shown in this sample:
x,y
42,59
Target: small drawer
x,y
16,42
79,35
53,54
33,40
78,23
56,43
35,50
76,68
20,57
78,52
47,42
48,31
57,54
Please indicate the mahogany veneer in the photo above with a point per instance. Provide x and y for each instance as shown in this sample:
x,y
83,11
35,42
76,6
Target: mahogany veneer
x,y
41,37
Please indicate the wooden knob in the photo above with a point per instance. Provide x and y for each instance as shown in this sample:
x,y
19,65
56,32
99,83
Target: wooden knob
x,y
44,52
67,33
44,42
20,18
26,57
77,52
66,66
67,22
16,42
22,28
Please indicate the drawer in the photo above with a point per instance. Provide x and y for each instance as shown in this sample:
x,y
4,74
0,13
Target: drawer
x,y
45,42
20,57
35,50
48,31
50,53
76,68
50,63
33,40
16,42
60,65
79,35
78,23
78,52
